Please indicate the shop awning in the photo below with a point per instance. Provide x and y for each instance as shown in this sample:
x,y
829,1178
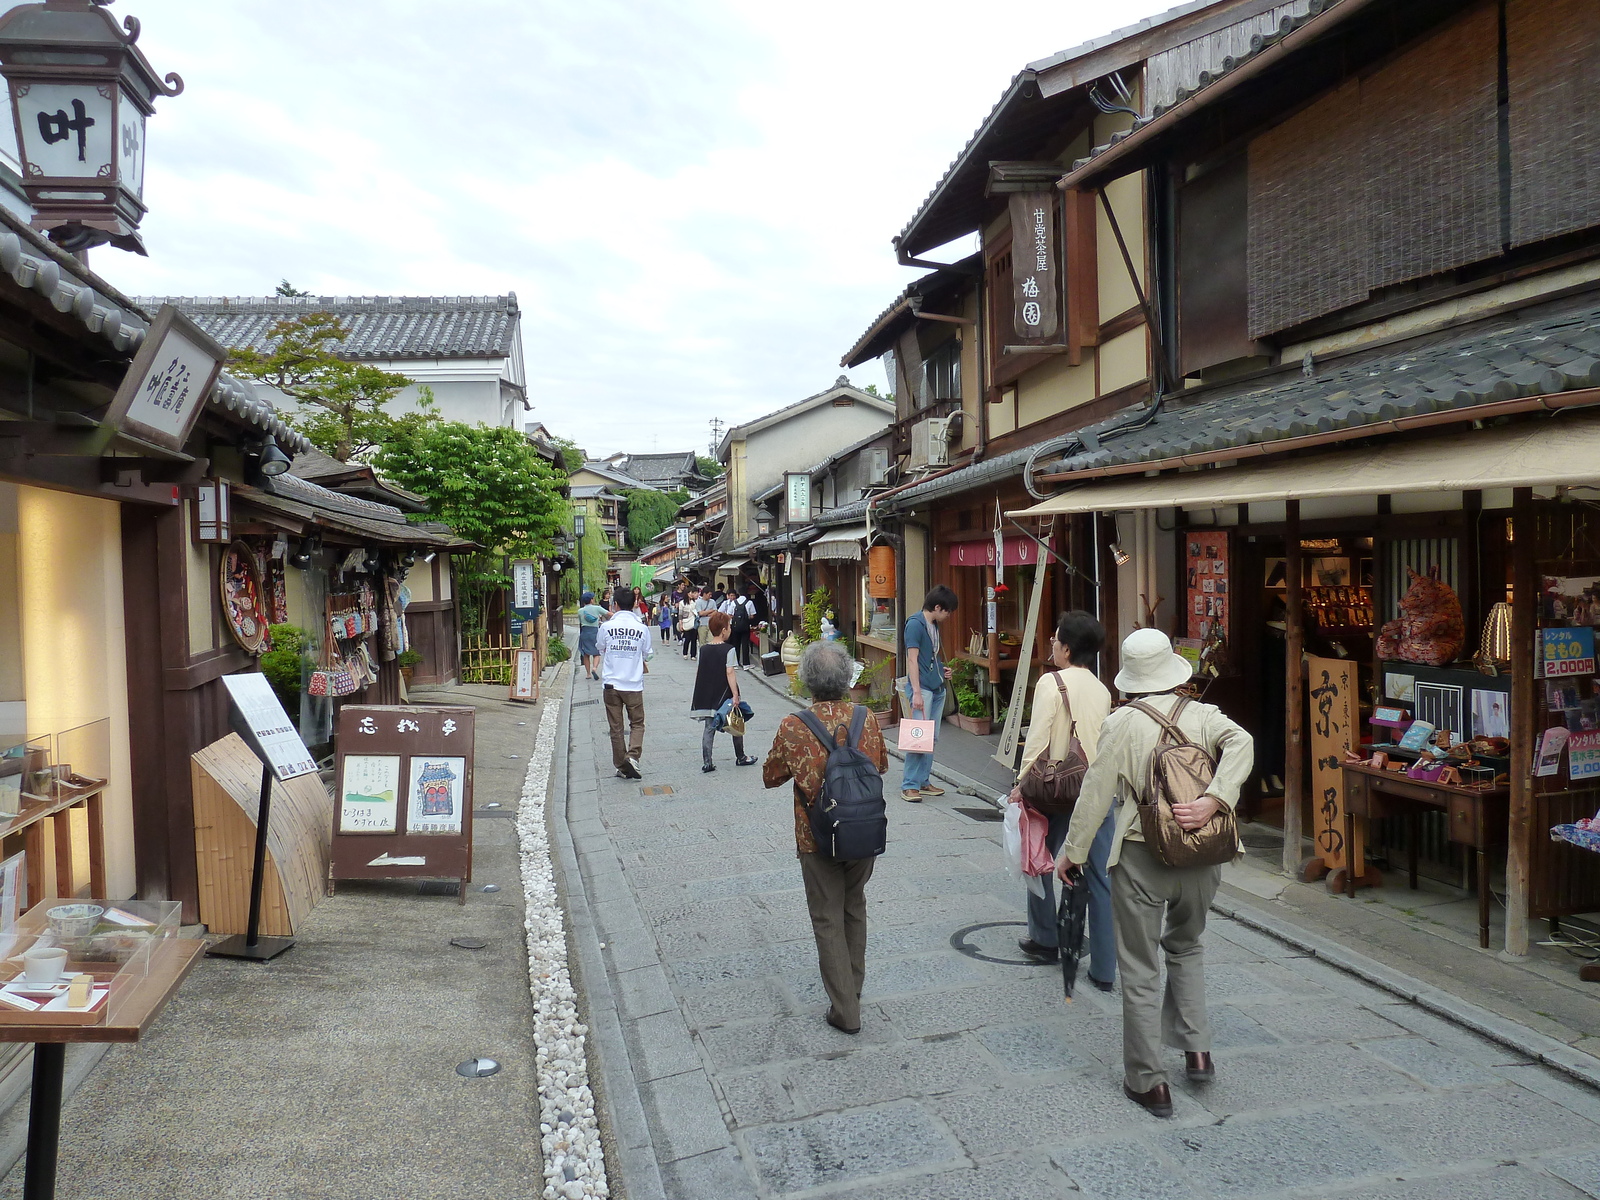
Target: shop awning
x,y
730,566
843,542
1541,453
667,573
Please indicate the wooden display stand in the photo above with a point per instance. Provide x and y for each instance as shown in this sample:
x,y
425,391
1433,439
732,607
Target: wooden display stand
x,y
403,803
226,776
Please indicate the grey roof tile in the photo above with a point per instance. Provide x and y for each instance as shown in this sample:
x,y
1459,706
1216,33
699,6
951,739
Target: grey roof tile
x,y
381,327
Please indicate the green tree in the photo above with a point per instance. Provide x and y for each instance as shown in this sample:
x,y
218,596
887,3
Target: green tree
x,y
572,457
285,288
649,512
709,467
339,404
487,484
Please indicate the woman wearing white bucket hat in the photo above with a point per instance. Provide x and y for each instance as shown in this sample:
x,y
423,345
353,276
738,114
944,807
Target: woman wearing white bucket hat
x,y
1157,908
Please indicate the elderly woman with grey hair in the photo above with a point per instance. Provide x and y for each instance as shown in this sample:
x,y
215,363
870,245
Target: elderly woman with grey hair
x,y
835,888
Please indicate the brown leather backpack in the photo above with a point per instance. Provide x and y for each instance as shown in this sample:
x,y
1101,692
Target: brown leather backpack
x,y
1051,785
1180,772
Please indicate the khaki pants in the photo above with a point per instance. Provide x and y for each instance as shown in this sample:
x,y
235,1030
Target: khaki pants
x,y
1160,910
633,702
836,894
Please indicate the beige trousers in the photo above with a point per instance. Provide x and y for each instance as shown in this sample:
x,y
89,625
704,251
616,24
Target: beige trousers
x,y
836,894
1160,910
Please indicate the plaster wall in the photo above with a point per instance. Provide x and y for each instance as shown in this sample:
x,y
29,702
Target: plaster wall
x,y
74,642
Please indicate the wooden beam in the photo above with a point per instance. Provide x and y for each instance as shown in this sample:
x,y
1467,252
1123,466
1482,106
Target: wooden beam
x,y
1524,722
928,316
1294,748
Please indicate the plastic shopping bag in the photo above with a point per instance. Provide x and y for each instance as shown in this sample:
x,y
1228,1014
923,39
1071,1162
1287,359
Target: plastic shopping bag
x,y
1012,839
1036,857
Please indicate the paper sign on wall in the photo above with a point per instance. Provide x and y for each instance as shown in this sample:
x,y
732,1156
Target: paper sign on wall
x,y
1567,651
1583,756
275,736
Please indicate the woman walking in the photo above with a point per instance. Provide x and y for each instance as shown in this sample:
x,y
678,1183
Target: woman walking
x,y
1069,700
589,618
664,615
1159,909
715,683
688,624
835,887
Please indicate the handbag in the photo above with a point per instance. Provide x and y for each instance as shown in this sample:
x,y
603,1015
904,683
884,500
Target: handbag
x,y
917,736
1180,772
1051,785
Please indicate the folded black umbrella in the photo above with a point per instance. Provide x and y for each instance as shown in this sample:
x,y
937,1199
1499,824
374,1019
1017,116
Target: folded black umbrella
x,y
1072,915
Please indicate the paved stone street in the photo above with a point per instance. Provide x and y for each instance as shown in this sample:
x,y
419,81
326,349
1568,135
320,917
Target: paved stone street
x,y
971,1078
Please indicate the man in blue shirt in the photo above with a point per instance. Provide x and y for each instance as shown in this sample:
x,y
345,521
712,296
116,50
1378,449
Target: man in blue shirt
x,y
926,677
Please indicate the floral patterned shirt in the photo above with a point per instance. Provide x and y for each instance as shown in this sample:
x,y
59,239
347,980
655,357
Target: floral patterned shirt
x,y
798,755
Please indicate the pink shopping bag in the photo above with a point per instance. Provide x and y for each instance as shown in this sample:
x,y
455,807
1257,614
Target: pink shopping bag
x,y
917,736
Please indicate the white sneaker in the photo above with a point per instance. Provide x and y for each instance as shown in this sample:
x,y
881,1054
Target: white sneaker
x,y
634,764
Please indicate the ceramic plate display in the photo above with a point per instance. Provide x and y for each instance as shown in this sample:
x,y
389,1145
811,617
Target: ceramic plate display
x,y
242,606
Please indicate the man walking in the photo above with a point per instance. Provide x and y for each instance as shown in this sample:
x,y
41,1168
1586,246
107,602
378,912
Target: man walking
x,y
624,645
926,676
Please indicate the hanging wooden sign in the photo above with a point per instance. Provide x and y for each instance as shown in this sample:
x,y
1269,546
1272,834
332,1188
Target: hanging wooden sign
x,y
404,793
168,381
1035,267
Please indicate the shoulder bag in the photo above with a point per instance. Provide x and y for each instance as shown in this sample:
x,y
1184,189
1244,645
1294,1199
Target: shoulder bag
x,y
1180,772
1051,785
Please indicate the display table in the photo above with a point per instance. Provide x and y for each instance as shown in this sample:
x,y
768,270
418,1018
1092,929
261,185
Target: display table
x,y
127,1021
1478,817
57,809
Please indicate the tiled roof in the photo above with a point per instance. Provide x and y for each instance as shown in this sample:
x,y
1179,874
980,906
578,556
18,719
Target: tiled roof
x,y
618,477
885,327
381,327
1258,43
661,470
34,262
1553,349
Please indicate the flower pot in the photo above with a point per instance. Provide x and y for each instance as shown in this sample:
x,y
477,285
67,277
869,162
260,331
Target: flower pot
x,y
886,721
406,673
977,725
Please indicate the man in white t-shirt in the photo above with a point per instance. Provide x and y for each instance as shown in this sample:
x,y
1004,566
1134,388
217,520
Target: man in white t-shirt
x,y
625,644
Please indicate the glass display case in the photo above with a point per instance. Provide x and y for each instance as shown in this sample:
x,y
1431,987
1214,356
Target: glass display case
x,y
115,943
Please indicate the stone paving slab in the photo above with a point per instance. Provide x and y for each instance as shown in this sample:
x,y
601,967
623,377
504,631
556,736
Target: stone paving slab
x,y
972,1076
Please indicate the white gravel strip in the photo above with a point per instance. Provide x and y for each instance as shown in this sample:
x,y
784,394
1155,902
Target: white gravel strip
x,y
574,1163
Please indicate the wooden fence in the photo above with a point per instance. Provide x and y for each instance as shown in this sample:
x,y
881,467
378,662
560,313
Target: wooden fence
x,y
486,659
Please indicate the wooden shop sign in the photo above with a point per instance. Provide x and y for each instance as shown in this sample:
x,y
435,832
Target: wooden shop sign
x,y
167,383
1034,265
404,793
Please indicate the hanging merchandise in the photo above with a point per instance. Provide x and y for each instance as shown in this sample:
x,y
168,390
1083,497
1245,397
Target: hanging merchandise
x,y
242,607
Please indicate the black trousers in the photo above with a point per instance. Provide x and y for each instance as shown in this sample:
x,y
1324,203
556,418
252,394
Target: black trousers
x,y
691,643
741,642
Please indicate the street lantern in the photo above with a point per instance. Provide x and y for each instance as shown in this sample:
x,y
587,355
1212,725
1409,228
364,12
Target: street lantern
x,y
81,92
763,523
577,526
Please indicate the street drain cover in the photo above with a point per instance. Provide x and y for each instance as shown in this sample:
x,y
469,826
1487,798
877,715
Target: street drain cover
x,y
581,703
468,943
477,1068
982,814
439,887
657,789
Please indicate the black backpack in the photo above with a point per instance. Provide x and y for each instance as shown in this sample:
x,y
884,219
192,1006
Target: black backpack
x,y
848,816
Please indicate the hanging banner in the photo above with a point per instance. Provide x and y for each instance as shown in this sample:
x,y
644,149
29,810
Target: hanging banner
x,y
1018,552
1332,696
1034,265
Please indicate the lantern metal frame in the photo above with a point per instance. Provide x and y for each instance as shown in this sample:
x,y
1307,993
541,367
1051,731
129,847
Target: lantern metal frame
x,y
77,43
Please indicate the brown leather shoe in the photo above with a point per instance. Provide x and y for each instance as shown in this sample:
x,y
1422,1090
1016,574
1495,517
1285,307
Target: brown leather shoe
x,y
1198,1066
1157,1101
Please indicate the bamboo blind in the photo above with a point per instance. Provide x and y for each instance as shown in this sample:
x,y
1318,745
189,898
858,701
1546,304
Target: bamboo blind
x,y
1553,64
1383,180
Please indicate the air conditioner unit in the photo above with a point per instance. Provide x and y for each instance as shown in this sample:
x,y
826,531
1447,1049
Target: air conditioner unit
x,y
938,441
875,466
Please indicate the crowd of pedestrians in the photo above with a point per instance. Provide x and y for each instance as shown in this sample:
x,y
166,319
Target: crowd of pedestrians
x,y
1145,841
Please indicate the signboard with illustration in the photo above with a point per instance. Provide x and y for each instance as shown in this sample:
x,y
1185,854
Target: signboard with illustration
x,y
405,793
1208,595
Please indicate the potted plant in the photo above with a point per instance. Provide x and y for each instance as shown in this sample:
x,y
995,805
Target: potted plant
x,y
861,689
879,707
972,714
408,660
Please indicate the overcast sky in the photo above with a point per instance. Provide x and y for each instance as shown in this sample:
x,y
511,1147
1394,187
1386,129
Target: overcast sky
x,y
692,199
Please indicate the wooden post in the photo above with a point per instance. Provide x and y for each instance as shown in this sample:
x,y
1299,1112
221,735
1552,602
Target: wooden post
x,y
1294,757
1524,724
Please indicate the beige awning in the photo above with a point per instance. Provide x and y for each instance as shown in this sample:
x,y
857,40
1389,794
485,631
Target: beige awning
x,y
1546,452
843,542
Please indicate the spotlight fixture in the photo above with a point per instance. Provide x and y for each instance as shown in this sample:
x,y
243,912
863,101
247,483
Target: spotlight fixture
x,y
264,459
301,558
1120,556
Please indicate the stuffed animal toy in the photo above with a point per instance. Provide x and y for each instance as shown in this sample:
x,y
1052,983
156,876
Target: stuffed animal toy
x,y
1430,628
